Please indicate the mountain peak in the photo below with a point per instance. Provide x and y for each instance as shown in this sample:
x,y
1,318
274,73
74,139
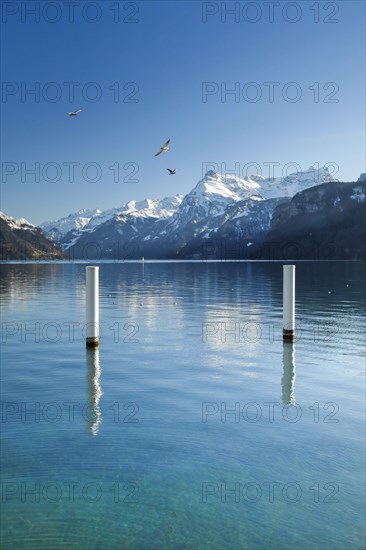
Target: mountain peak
x,y
226,185
211,174
153,208
20,223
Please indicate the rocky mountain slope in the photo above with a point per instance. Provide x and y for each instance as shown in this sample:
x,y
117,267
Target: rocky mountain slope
x,y
325,222
21,240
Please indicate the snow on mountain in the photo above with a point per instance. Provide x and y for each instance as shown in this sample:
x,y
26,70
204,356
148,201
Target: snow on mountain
x,y
153,208
214,195
359,193
57,229
228,186
322,222
295,182
173,221
21,223
211,197
68,230
215,192
21,240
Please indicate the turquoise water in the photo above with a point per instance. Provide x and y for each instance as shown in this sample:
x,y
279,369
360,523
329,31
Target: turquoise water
x,y
193,426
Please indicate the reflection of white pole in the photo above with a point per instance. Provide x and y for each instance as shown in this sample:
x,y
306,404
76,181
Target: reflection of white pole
x,y
95,392
289,302
92,306
288,378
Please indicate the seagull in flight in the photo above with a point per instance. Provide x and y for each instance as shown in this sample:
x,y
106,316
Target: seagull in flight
x,y
171,171
163,149
74,113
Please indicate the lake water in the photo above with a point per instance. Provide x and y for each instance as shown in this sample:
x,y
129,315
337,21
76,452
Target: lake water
x,y
193,426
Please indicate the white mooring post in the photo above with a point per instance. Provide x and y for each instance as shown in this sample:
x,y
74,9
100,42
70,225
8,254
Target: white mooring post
x,y
92,306
289,302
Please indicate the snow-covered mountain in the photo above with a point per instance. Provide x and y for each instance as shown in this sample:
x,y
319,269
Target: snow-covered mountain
x,y
289,185
21,240
21,223
211,197
67,231
218,207
56,230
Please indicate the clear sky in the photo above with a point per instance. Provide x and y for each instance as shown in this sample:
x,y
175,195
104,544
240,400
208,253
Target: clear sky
x,y
175,60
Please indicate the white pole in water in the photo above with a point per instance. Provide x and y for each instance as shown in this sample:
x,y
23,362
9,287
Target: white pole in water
x,y
92,306
289,302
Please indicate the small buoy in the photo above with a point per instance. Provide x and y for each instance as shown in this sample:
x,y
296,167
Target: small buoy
x,y
347,286
329,292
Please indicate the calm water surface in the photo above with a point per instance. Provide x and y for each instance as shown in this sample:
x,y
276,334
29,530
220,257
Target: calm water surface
x,y
193,426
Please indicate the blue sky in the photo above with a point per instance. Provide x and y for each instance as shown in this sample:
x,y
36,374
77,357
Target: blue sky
x,y
168,53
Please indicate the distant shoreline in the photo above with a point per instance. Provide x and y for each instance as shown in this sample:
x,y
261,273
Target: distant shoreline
x,y
155,261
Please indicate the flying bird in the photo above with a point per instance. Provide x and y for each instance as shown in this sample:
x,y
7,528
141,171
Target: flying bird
x,y
163,149
171,172
74,113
